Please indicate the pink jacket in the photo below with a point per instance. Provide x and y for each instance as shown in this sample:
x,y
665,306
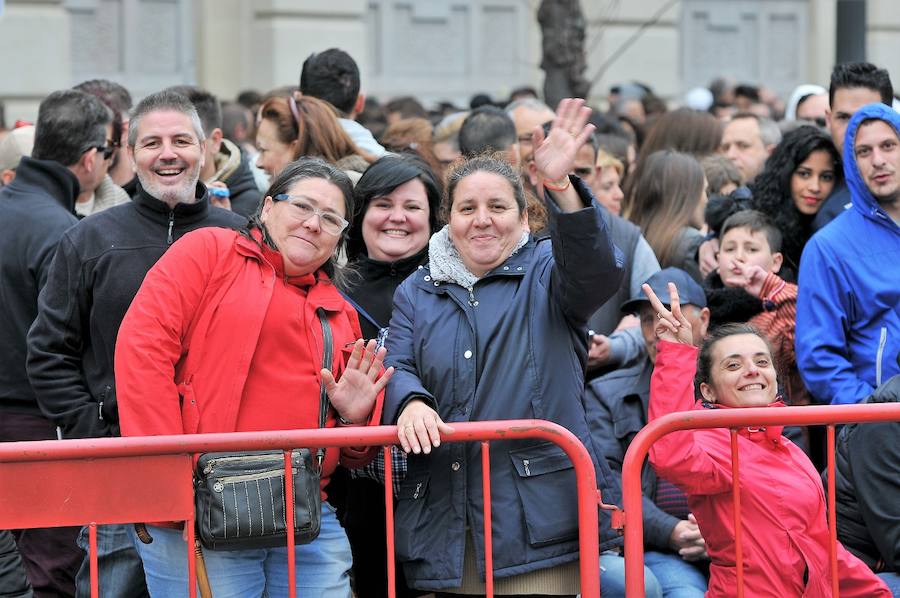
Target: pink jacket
x,y
785,530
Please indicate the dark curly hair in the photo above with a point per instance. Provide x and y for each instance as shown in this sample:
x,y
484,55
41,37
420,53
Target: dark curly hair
x,y
772,187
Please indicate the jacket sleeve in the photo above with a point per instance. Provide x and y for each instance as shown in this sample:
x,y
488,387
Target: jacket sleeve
x,y
55,349
780,297
658,524
875,466
823,307
588,268
405,384
677,456
151,339
626,346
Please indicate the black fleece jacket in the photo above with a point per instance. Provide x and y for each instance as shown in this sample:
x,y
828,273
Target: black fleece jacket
x,y
97,270
35,210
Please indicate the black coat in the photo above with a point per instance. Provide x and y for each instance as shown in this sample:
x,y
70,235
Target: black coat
x,y
97,270
867,484
35,210
372,288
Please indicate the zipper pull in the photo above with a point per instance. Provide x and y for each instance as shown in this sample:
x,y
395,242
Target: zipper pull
x,y
169,239
100,411
418,488
525,463
472,300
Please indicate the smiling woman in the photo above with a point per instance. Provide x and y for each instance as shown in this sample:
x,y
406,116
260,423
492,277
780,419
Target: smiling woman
x,y
396,207
786,544
493,328
228,333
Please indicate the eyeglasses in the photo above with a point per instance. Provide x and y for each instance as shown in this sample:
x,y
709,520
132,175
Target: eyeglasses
x,y
302,210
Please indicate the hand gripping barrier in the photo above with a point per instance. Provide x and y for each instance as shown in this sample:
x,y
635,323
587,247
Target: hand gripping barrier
x,y
123,480
732,418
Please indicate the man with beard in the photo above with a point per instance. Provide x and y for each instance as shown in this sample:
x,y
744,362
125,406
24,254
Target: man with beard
x,y
96,272
848,324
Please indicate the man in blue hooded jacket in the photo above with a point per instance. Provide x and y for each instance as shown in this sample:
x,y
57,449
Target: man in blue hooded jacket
x,y
848,309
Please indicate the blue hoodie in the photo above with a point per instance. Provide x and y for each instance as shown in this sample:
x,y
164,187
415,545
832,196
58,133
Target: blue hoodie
x,y
848,308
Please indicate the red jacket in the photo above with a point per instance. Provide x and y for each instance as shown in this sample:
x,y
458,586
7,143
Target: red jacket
x,y
785,530
185,346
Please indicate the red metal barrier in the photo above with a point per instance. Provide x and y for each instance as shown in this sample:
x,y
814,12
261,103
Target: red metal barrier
x,y
93,481
731,418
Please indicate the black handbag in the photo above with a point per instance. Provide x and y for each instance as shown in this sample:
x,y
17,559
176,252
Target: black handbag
x,y
240,497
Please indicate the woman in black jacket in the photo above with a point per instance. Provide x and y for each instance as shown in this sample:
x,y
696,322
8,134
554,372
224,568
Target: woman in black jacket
x,y
396,211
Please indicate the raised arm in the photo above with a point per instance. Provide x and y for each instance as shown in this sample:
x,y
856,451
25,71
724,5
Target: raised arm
x,y
588,268
678,456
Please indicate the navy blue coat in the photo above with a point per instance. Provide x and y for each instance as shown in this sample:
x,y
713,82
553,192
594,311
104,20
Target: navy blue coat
x,y
616,406
517,350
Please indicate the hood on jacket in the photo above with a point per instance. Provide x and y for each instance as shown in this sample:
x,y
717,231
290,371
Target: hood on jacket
x,y
863,200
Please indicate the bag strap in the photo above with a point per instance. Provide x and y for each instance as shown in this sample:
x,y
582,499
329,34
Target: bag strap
x,y
359,309
324,403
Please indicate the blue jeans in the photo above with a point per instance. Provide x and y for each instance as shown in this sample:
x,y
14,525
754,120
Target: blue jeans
x,y
323,566
892,580
120,573
612,578
677,577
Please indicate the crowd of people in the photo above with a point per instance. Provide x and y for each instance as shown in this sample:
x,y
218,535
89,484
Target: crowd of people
x,y
188,265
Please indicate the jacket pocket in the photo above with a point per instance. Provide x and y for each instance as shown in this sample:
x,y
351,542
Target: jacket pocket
x,y
545,480
412,539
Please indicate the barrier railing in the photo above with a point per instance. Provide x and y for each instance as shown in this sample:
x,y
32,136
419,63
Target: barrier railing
x,y
124,480
827,415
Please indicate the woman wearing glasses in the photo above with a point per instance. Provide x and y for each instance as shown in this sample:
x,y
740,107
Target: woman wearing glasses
x,y
242,309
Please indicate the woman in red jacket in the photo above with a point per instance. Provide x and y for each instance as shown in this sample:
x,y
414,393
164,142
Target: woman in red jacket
x,y
785,540
224,336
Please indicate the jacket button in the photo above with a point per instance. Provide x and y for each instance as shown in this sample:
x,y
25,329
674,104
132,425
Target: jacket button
x,y
427,278
467,354
437,284
455,466
506,267
519,268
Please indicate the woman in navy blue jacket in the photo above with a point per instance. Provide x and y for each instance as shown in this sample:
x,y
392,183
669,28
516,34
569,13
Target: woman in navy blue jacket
x,y
494,328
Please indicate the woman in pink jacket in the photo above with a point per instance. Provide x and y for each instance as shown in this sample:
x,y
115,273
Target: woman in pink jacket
x,y
785,532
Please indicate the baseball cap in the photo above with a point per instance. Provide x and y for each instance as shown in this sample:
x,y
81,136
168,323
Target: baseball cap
x,y
688,290
14,145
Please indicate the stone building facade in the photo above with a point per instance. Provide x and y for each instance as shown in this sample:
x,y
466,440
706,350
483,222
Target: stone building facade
x,y
433,49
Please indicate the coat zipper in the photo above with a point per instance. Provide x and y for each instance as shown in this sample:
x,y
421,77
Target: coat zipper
x,y
880,355
212,463
169,239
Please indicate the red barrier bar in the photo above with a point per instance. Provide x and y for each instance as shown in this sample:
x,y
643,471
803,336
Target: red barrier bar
x,y
174,452
717,418
389,521
832,514
738,528
289,522
488,536
92,543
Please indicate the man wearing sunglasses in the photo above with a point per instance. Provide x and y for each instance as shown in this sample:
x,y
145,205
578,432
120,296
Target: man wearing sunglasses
x,y
95,274
37,207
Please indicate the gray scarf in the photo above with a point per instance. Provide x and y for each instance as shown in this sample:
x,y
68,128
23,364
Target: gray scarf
x,y
446,265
